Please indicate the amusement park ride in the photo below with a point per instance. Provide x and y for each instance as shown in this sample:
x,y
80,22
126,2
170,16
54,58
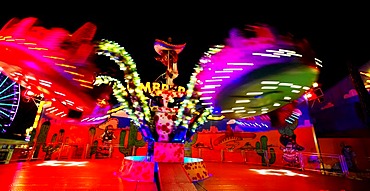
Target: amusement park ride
x,y
247,77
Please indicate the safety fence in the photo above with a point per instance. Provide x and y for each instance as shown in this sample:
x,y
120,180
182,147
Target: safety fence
x,y
325,163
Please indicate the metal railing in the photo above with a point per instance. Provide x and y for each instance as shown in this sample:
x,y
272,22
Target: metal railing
x,y
333,164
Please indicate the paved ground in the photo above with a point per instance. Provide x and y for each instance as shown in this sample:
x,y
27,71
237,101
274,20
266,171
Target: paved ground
x,y
101,174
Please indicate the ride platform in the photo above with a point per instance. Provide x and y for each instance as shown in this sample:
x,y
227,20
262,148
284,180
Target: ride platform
x,y
102,174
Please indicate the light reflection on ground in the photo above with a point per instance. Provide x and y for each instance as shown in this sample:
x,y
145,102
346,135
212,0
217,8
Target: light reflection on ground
x,y
63,163
278,172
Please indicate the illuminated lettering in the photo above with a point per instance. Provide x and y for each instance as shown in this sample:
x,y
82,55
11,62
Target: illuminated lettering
x,y
154,86
181,89
146,88
165,87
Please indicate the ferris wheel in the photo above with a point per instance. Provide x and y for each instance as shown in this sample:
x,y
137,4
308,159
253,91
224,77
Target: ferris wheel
x,y
9,100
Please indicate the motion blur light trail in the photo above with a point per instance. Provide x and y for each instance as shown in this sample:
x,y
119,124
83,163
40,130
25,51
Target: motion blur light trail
x,y
54,63
251,76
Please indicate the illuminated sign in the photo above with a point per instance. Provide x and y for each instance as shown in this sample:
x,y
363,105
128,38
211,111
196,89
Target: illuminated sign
x,y
154,86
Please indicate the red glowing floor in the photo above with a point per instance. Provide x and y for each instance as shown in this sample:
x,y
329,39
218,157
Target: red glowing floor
x,y
101,174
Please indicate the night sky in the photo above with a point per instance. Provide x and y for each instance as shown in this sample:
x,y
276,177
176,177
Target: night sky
x,y
337,37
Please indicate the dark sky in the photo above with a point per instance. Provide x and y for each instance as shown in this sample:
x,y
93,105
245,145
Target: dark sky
x,y
336,36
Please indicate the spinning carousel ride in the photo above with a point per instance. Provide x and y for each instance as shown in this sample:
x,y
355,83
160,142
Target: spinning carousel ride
x,y
54,64
254,76
246,77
